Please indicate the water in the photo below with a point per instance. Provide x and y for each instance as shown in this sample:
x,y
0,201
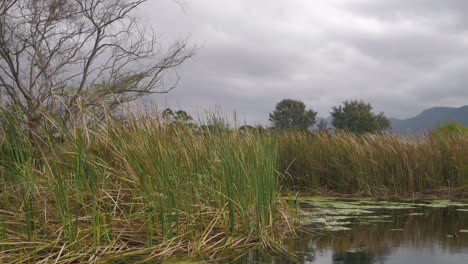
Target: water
x,y
382,232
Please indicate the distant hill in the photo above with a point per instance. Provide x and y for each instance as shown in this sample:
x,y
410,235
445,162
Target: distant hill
x,y
430,118
425,121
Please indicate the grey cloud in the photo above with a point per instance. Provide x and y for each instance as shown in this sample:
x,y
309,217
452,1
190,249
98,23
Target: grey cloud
x,y
448,14
402,56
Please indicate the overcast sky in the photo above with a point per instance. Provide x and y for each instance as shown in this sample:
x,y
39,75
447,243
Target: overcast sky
x,y
401,55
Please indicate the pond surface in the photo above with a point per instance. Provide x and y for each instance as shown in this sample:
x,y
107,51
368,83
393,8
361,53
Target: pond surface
x,y
369,231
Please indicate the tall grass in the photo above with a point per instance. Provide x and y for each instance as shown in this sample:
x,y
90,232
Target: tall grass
x,y
142,190
374,164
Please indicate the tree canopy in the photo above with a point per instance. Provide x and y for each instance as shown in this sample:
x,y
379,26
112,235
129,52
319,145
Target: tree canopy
x,y
357,117
179,117
292,114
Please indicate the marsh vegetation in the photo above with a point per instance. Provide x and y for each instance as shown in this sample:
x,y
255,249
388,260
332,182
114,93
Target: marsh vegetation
x,y
85,180
375,165
141,189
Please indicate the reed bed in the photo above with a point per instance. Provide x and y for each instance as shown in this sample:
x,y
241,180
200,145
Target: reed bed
x,y
375,165
134,192
141,190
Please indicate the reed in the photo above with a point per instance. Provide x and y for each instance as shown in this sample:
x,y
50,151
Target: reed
x,y
140,190
376,165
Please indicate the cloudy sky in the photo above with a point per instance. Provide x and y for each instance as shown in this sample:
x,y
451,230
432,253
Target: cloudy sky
x,y
402,56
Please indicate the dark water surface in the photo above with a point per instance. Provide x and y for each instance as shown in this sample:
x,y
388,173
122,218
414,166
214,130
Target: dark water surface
x,y
415,235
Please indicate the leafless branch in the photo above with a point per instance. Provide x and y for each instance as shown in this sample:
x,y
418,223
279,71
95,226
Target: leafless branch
x,y
56,53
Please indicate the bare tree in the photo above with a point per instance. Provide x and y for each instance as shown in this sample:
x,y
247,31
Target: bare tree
x,y
59,55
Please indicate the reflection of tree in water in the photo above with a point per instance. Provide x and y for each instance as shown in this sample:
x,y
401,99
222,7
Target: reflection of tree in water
x,y
359,257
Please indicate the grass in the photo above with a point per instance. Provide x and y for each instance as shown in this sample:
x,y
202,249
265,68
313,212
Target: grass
x,y
375,165
142,190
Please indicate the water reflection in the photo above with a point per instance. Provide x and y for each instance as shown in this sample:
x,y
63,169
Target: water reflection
x,y
419,235
354,257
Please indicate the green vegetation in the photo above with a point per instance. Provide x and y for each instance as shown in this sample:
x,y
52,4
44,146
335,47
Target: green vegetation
x,y
292,115
449,129
373,164
81,182
357,117
145,189
139,190
179,117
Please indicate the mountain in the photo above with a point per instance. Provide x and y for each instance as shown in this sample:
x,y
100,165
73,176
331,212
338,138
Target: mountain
x,y
430,118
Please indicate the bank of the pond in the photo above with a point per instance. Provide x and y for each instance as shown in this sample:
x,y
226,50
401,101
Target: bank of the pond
x,y
455,194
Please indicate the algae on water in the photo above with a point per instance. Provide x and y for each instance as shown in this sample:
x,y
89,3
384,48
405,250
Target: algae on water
x,y
332,214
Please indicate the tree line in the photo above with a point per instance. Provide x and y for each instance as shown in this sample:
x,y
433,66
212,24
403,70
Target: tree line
x,y
354,116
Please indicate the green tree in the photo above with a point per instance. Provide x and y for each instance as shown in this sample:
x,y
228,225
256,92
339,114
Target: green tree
x,y
357,117
179,117
167,114
245,129
292,114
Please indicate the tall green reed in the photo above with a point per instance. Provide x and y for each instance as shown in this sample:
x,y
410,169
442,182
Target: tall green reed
x,y
374,164
141,186
139,183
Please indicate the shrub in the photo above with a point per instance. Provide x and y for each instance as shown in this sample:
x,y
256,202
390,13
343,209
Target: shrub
x,y
449,129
